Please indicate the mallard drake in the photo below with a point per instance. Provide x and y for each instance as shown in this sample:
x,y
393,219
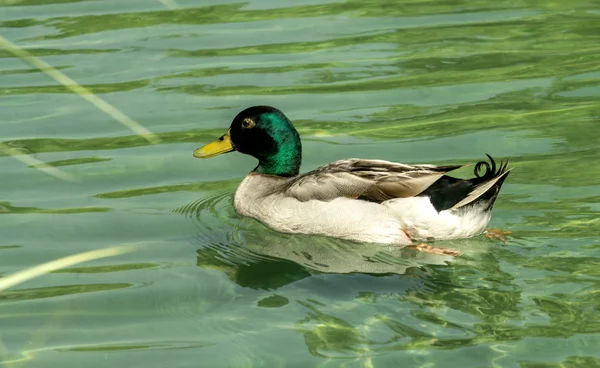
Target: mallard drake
x,y
361,200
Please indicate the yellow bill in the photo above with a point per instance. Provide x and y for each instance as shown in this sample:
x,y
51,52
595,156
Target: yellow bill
x,y
217,147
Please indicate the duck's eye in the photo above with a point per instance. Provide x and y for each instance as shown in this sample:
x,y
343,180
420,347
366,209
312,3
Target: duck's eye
x,y
248,123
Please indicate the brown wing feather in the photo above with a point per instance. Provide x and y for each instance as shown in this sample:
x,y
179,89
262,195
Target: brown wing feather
x,y
373,180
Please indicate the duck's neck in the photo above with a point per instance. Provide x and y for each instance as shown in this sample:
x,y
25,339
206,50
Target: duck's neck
x,y
286,162
285,156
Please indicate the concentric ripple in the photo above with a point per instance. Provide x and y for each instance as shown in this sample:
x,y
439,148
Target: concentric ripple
x,y
219,229
213,211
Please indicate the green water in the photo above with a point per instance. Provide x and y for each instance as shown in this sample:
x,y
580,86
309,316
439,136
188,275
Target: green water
x,y
418,82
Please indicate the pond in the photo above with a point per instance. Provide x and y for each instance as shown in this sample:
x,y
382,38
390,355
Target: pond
x,y
425,81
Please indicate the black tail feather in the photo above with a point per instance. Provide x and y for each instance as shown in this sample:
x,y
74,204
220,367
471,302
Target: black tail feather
x,y
447,192
490,171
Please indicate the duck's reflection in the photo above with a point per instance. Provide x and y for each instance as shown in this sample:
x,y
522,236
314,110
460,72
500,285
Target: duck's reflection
x,y
267,260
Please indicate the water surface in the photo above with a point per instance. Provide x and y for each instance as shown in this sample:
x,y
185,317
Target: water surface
x,y
417,82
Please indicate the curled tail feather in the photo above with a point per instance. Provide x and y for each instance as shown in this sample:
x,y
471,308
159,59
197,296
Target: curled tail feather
x,y
491,179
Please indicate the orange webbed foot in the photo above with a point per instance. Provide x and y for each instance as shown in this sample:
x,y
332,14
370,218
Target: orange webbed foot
x,y
497,234
426,248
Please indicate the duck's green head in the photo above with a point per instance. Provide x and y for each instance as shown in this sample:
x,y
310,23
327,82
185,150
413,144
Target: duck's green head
x,y
265,133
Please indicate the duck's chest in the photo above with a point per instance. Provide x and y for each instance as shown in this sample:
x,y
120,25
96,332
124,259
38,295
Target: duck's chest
x,y
255,194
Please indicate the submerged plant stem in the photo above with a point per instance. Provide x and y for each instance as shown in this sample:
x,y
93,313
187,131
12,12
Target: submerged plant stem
x,y
78,89
30,161
44,268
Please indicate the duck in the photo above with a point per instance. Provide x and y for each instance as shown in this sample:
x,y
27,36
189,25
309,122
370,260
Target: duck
x,y
360,200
